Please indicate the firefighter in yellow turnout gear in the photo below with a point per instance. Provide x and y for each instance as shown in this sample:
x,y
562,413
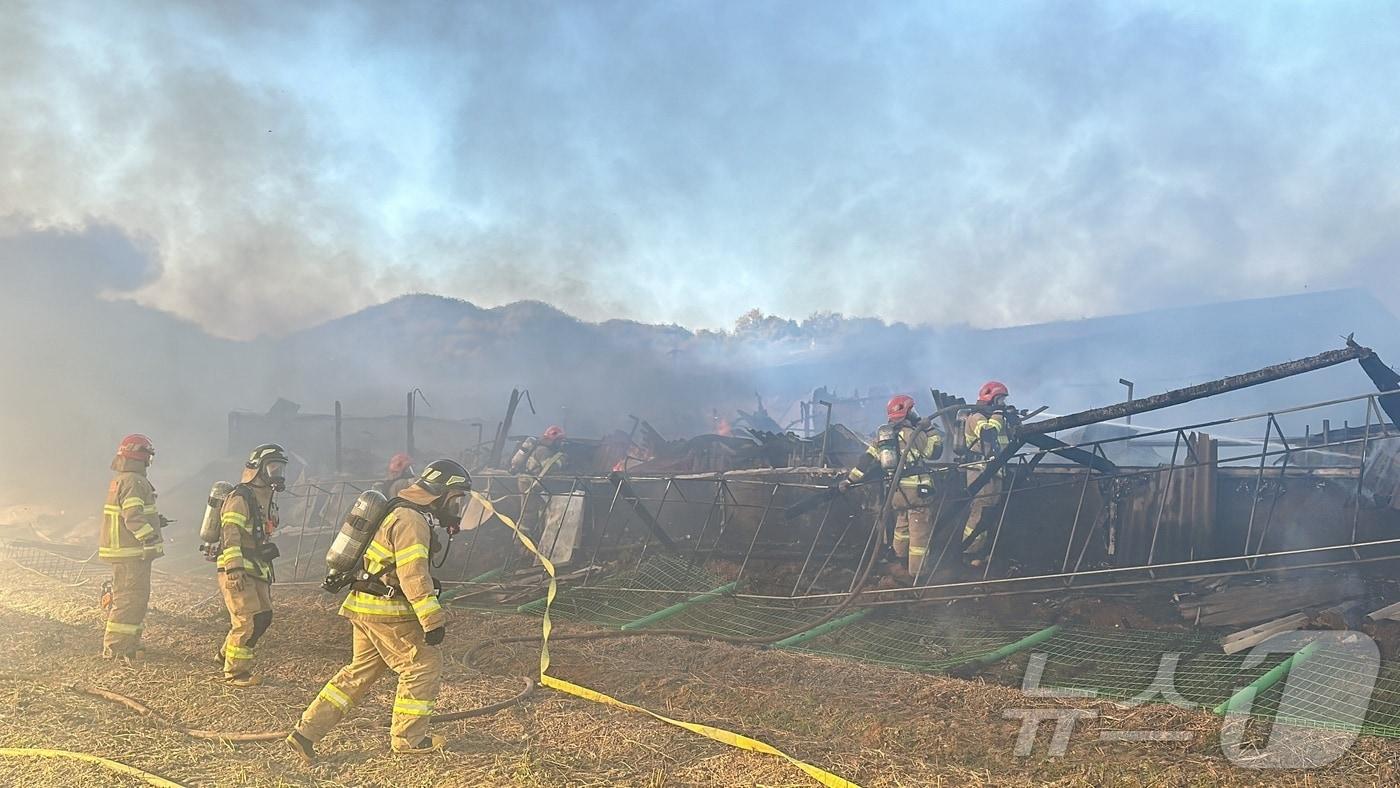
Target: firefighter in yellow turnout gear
x,y
395,619
245,557
986,431
130,540
533,460
920,445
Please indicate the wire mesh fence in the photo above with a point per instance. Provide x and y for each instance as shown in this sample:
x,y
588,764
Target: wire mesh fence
x,y
1134,666
65,563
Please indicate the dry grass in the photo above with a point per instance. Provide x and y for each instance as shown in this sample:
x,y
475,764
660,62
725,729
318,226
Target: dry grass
x,y
881,727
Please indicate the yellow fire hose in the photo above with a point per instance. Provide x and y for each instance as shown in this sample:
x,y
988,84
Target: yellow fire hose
x,y
109,765
721,735
718,734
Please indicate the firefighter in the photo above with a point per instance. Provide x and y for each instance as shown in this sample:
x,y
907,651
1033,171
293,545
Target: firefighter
x,y
986,431
533,460
920,444
399,476
247,520
396,621
130,540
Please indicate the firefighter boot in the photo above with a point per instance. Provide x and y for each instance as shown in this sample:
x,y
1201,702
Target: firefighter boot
x,y
428,744
303,747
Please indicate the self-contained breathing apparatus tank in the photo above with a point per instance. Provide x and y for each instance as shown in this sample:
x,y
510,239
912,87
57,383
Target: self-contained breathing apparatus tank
x,y
210,528
356,530
887,445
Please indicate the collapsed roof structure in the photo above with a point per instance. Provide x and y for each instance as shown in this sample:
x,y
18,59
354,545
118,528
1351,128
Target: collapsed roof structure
x,y
1071,516
1206,548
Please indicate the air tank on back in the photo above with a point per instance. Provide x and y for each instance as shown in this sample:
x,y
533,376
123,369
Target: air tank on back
x,y
887,444
356,530
210,529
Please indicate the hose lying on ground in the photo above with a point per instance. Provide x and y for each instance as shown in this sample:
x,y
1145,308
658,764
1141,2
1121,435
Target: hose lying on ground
x,y
529,683
110,765
244,736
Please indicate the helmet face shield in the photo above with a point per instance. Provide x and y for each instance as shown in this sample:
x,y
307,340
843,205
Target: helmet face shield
x,y
455,506
269,462
276,473
450,512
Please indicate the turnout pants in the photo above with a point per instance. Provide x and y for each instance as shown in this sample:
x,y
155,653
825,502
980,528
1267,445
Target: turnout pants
x,y
250,614
986,504
532,506
912,528
131,594
378,646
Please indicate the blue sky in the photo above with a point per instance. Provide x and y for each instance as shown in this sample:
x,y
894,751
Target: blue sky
x,y
685,161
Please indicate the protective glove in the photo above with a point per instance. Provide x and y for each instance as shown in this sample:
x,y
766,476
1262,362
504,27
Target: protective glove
x,y
843,486
990,448
235,580
435,636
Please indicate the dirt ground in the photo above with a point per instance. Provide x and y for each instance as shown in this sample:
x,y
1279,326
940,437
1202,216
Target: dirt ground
x,y
876,726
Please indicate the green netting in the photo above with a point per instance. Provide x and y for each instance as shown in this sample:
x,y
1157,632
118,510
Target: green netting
x,y
922,643
1183,667
604,604
607,604
1132,666
1324,696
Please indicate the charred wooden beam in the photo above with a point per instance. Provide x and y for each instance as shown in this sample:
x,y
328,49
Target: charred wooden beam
x,y
630,496
1073,453
1027,432
1386,380
1212,388
498,446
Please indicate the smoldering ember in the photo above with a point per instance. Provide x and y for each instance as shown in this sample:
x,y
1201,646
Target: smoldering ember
x,y
420,394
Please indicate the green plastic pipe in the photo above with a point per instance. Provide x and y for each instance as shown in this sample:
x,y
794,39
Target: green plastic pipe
x,y
462,589
488,576
1029,641
818,631
667,612
1267,680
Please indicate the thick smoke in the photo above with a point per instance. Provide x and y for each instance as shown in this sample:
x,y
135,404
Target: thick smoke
x,y
88,367
680,162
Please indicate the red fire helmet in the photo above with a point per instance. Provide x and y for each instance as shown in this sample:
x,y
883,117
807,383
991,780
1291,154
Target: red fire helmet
x,y
990,391
136,447
899,406
399,464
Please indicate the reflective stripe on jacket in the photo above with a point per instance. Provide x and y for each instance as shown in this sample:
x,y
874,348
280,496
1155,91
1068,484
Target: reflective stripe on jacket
x,y
978,427
240,540
920,444
399,554
130,522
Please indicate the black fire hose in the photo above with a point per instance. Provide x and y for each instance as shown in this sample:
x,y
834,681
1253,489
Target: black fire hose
x,y
245,736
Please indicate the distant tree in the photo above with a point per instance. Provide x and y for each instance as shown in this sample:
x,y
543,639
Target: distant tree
x,y
753,324
749,321
823,323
